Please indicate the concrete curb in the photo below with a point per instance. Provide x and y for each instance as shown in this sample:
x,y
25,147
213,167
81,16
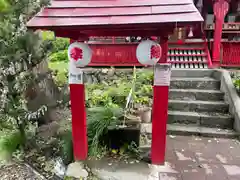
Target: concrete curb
x,y
231,97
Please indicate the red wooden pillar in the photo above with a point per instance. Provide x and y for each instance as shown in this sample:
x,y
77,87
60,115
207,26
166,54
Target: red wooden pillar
x,y
164,45
160,107
79,124
220,9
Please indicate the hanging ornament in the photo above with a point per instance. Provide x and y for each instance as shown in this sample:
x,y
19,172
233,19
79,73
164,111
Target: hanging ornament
x,y
154,38
149,52
190,34
80,54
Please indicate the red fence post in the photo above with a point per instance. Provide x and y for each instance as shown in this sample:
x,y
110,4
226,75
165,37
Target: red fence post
x,y
160,107
79,124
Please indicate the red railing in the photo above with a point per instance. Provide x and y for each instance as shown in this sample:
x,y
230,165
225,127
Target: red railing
x,y
230,54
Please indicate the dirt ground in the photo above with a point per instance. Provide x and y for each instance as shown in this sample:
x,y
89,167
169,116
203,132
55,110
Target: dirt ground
x,y
19,171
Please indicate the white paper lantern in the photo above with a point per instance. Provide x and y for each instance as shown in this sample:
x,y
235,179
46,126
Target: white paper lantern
x,y
80,54
149,52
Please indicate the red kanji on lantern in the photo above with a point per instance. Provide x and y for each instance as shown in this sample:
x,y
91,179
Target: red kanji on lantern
x,y
77,53
80,54
155,52
148,52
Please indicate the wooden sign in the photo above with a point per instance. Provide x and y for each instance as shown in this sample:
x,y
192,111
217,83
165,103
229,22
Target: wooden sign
x,y
75,74
162,75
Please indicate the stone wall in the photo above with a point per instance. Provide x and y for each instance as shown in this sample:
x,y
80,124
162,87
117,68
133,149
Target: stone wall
x,y
231,97
92,75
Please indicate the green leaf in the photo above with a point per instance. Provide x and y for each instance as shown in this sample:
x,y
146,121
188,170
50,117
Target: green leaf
x,y
3,5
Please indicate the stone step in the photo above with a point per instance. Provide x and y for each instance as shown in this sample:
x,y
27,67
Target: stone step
x,y
198,106
204,119
195,83
193,73
201,131
176,129
196,94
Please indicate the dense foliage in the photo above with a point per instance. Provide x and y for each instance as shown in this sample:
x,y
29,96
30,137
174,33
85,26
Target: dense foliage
x,y
20,52
3,5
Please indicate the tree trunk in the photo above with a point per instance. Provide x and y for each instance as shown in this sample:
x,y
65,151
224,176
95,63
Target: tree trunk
x,y
43,92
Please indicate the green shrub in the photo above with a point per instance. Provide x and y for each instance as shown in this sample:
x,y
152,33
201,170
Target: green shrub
x,y
66,148
9,143
144,77
236,83
59,56
99,119
3,5
111,96
236,80
59,44
61,79
48,35
60,70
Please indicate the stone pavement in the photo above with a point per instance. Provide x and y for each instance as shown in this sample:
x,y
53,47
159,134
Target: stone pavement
x,y
187,158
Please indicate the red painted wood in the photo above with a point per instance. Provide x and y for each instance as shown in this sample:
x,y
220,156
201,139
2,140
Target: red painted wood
x,y
231,54
160,113
185,42
114,31
186,48
209,59
115,64
164,45
220,9
104,11
173,9
159,123
115,11
79,124
86,17
123,54
113,3
41,22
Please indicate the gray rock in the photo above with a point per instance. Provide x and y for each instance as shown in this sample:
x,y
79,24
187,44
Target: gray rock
x,y
76,170
59,168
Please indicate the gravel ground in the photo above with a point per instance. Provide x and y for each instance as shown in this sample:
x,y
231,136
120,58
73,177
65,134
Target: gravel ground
x,y
18,171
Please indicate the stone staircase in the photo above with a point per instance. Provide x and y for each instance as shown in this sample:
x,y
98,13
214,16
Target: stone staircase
x,y
196,106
